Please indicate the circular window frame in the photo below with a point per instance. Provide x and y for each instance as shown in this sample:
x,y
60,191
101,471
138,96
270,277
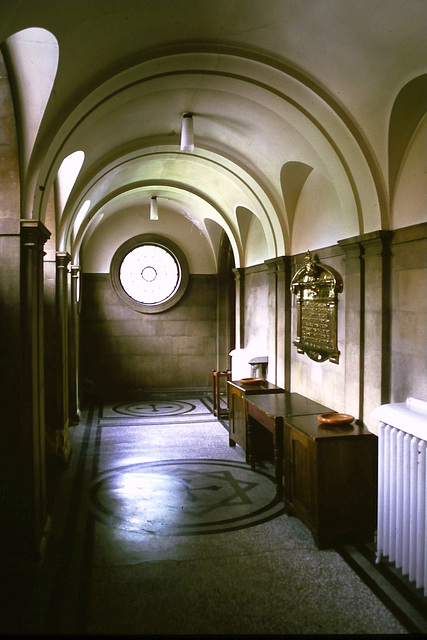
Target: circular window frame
x,y
167,245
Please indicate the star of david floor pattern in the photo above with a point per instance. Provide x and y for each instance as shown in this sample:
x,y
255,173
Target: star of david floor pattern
x,y
197,497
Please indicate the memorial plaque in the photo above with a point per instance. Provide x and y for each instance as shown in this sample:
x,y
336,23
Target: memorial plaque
x,y
316,287
315,322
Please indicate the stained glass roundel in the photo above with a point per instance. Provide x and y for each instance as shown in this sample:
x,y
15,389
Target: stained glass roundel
x,y
149,273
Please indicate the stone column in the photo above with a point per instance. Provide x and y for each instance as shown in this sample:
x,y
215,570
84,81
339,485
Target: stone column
x,y
62,425
279,304
284,305
354,282
272,320
74,411
239,275
33,465
50,349
376,257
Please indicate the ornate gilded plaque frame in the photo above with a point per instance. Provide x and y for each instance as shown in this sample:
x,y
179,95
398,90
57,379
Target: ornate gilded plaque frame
x,y
316,287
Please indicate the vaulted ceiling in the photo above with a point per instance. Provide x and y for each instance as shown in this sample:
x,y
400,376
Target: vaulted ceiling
x,y
303,111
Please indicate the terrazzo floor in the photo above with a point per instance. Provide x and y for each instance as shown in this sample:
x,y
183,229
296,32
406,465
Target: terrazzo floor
x,y
162,528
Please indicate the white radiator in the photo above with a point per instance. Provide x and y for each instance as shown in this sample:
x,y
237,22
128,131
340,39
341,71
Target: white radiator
x,y
402,487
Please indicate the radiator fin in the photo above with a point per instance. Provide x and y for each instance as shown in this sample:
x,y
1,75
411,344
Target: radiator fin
x,y
402,494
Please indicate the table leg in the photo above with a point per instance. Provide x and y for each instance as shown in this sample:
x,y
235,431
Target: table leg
x,y
218,392
249,443
278,460
213,391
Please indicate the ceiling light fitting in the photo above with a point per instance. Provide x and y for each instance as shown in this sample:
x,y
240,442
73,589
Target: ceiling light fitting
x,y
187,135
154,210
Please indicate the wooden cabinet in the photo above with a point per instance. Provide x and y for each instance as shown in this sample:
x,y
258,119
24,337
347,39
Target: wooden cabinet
x,y
237,392
330,478
299,464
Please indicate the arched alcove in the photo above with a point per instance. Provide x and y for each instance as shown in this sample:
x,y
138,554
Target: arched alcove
x,y
319,220
410,194
409,108
292,178
256,250
244,220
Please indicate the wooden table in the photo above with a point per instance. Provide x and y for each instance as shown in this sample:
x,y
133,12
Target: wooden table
x,y
269,411
237,393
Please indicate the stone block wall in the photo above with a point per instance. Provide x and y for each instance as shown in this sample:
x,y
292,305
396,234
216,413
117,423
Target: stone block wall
x,y
409,313
125,352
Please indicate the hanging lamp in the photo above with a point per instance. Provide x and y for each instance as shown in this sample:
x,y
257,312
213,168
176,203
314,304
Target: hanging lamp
x,y
154,210
187,134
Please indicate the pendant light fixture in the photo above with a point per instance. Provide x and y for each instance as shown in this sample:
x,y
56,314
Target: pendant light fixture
x,y
154,210
187,135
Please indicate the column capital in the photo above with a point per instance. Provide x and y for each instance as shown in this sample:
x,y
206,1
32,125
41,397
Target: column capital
x,y
352,248
376,243
34,233
271,264
62,258
239,273
280,263
372,243
283,263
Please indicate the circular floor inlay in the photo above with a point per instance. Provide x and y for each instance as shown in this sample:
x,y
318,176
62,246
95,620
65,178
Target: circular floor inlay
x,y
155,408
184,497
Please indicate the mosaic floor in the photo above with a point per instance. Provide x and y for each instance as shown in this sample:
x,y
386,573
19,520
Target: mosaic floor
x,y
197,497
162,528
151,412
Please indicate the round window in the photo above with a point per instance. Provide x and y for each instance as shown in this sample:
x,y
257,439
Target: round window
x,y
149,273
